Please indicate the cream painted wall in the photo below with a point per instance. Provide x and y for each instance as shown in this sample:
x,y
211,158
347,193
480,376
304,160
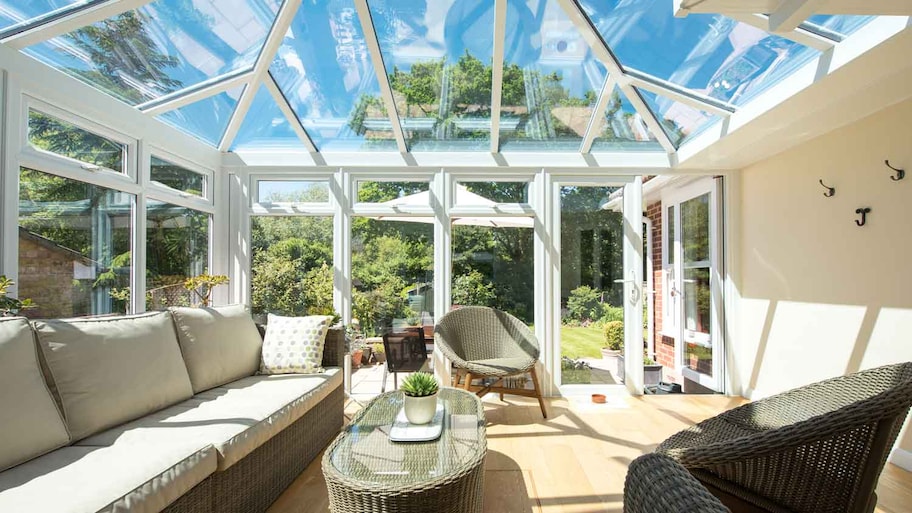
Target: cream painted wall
x,y
820,296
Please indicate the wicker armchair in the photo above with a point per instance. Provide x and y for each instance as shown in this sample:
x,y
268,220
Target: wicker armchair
x,y
486,343
818,448
658,484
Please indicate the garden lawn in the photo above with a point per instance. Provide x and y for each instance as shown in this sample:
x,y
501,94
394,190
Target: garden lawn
x,y
579,342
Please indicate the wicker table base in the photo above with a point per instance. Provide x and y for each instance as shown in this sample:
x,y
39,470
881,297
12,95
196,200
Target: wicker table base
x,y
365,471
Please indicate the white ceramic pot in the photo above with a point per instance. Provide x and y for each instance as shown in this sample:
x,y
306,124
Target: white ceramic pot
x,y
420,410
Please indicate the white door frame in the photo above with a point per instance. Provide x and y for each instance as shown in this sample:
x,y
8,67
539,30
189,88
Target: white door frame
x,y
676,197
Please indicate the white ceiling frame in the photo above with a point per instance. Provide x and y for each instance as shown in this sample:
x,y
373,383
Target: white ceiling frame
x,y
792,13
79,17
267,54
799,35
679,94
497,63
386,90
289,112
194,93
601,50
598,114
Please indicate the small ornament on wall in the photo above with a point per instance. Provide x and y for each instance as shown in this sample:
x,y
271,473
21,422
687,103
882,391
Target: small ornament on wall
x,y
900,173
864,213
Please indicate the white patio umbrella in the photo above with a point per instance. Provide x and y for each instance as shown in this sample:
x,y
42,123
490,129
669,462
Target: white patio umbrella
x,y
463,197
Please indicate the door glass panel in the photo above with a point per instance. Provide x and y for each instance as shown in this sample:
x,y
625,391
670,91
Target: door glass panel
x,y
695,229
695,241
592,310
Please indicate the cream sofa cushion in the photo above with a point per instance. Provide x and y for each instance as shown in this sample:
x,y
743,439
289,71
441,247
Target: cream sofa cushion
x,y
31,423
219,344
294,345
120,478
235,418
110,370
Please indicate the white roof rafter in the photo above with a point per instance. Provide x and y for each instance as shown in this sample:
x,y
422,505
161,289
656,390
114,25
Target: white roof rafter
x,y
386,90
289,112
497,64
277,33
68,21
791,13
678,93
799,35
601,50
201,91
598,114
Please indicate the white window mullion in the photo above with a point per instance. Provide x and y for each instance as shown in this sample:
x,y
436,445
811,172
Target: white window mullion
x,y
9,171
441,199
142,160
342,241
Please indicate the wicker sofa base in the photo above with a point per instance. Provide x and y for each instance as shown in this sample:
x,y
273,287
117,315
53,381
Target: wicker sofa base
x,y
256,481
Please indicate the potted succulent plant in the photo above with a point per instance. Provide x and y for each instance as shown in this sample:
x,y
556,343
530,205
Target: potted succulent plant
x,y
420,389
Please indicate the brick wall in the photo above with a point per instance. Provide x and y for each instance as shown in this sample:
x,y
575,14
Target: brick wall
x,y
664,346
45,276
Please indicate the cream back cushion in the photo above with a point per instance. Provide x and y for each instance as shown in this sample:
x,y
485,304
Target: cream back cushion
x,y
29,420
294,345
219,344
109,370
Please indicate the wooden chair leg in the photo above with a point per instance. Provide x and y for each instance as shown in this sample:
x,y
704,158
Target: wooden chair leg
x,y
541,402
468,381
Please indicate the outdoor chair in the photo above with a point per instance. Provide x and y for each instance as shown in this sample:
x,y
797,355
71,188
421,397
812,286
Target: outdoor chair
x,y
658,484
490,345
404,353
818,448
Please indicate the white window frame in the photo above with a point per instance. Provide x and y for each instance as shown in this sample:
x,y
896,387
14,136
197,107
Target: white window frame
x,y
291,208
207,199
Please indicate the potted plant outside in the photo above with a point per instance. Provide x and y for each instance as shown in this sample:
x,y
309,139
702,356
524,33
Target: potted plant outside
x,y
652,371
420,389
379,353
614,339
10,306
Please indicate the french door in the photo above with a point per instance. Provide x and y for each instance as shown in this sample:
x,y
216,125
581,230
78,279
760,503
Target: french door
x,y
692,282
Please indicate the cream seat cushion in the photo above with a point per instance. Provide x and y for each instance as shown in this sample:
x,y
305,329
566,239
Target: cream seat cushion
x,y
109,370
135,479
31,423
294,345
235,418
219,344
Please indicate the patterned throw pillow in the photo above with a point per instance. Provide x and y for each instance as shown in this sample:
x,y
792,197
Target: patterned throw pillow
x,y
294,345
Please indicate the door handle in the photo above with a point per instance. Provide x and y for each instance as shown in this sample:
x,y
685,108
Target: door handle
x,y
634,287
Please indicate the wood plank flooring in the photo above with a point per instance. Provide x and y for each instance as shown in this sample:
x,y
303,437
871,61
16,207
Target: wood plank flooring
x,y
576,460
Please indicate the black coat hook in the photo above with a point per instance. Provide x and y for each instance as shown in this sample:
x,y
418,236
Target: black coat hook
x,y
900,173
831,191
864,212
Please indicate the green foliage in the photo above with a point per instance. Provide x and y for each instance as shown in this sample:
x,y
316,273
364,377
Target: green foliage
x,y
318,290
583,304
473,289
419,384
202,285
377,347
10,306
614,335
612,313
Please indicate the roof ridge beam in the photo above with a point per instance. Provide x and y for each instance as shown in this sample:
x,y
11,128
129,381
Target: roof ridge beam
x,y
386,90
792,13
194,93
678,93
799,35
282,101
497,65
66,21
598,114
603,52
267,54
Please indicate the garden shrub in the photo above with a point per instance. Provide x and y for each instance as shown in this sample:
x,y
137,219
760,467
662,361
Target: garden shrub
x,y
614,335
611,313
583,303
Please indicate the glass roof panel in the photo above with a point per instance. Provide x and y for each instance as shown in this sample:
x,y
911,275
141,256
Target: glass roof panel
x,y
681,122
265,126
17,12
324,69
624,128
162,47
206,119
551,79
707,53
438,57
843,25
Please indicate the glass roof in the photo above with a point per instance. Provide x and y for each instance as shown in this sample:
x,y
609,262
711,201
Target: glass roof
x,y
163,46
431,61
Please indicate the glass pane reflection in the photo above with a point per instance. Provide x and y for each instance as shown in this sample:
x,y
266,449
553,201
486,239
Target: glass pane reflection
x,y
680,122
551,79
265,127
161,47
17,12
623,128
843,25
711,54
205,119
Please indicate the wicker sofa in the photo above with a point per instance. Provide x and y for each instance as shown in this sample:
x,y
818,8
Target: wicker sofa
x,y
155,412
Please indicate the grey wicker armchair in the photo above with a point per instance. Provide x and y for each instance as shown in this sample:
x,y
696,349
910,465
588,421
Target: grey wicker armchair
x,y
488,344
658,484
818,448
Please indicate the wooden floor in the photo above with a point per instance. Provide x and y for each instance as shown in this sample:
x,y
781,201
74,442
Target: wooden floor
x,y
576,460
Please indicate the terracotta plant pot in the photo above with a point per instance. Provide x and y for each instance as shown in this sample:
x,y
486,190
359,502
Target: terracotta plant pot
x,y
598,398
356,358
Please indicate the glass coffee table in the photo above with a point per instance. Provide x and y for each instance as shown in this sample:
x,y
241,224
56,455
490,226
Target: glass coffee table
x,y
365,471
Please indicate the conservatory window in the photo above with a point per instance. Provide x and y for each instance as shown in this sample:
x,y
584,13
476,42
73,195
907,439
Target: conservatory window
x,y
179,178
177,248
93,151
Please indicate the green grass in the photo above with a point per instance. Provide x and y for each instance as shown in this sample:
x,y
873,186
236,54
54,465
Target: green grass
x,y
581,342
